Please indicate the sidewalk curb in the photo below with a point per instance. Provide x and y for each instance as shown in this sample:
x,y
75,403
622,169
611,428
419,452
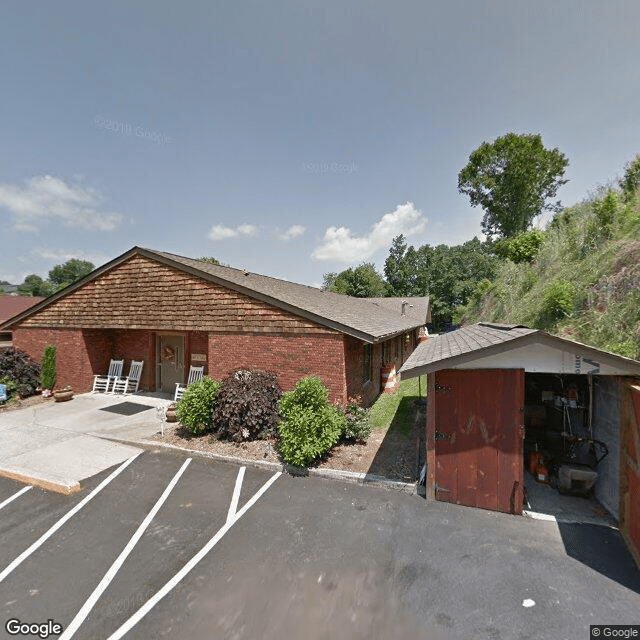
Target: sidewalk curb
x,y
64,487
351,477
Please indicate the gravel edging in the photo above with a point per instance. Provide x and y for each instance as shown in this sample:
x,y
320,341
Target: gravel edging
x,y
352,477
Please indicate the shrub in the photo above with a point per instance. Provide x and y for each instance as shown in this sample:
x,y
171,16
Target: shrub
x,y
18,367
357,427
310,426
605,212
524,247
194,411
246,406
48,376
557,303
629,183
626,348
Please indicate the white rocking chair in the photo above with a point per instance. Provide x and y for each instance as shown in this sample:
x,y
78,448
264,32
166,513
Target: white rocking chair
x,y
195,374
131,382
102,383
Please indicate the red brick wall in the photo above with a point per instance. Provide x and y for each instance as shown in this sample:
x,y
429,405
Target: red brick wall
x,y
79,353
198,342
292,357
398,349
367,392
133,344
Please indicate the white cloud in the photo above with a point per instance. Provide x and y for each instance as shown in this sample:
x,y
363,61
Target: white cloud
x,y
60,255
47,198
341,245
292,232
248,229
220,232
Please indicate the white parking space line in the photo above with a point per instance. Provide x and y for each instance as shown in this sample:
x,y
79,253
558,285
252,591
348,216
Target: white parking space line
x,y
14,496
108,577
233,507
44,537
147,606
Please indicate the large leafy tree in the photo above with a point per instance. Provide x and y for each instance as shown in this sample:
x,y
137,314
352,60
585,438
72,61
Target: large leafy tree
x,y
448,275
34,285
65,274
60,276
512,179
362,282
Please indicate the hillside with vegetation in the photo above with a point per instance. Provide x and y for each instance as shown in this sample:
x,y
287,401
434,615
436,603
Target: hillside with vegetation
x,y
579,278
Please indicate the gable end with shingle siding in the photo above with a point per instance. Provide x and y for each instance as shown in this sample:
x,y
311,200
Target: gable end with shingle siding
x,y
141,293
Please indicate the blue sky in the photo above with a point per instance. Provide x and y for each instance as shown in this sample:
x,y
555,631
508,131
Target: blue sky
x,y
291,137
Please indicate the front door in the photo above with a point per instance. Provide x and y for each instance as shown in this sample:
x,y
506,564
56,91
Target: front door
x,y
478,438
171,361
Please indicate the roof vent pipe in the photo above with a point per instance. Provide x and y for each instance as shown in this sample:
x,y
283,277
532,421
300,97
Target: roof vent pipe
x,y
404,304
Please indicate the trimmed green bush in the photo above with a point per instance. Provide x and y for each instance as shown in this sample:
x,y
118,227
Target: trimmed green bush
x,y
21,369
48,376
310,425
195,409
246,406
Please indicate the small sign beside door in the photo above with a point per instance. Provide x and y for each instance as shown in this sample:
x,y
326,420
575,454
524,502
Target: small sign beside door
x,y
199,357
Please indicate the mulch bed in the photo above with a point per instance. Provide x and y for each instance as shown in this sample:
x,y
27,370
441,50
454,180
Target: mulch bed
x,y
23,403
386,453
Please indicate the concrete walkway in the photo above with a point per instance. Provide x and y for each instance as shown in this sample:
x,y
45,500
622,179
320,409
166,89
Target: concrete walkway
x,y
56,445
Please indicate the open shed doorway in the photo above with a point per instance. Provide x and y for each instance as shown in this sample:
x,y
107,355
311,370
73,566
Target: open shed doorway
x,y
571,448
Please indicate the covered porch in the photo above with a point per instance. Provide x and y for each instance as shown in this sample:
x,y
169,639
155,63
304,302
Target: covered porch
x,y
167,355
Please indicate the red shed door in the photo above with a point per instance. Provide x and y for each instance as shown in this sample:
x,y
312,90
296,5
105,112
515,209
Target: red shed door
x,y
479,428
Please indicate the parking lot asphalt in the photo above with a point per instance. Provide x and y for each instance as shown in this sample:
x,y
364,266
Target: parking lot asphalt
x,y
233,553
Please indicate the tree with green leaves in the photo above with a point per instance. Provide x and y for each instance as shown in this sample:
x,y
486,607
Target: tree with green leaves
x,y
71,271
209,259
400,267
448,275
512,179
362,282
630,182
34,285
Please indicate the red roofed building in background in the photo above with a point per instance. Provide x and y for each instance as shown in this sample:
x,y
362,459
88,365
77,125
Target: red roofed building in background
x,y
11,306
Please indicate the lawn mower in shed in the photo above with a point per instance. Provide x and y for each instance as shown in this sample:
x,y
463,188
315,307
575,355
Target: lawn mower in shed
x,y
559,443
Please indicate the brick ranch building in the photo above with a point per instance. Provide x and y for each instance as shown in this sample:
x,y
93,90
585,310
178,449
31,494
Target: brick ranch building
x,y
174,312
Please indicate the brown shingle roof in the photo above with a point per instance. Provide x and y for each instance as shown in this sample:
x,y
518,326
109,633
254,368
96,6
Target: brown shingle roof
x,y
358,317
478,340
417,307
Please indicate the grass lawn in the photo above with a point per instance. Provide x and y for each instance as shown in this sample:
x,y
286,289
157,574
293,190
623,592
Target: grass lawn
x,y
398,410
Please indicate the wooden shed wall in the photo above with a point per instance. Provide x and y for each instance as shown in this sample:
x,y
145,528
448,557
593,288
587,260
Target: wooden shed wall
x,y
630,468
